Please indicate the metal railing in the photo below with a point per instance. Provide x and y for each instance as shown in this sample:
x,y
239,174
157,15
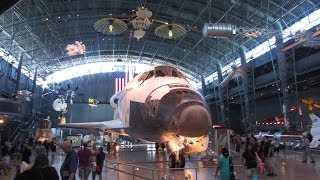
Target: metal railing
x,y
148,173
16,133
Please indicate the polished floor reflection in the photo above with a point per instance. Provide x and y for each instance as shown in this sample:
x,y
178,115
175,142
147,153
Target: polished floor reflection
x,y
146,163
149,163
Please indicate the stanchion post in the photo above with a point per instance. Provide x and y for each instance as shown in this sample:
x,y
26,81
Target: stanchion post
x,y
152,173
196,174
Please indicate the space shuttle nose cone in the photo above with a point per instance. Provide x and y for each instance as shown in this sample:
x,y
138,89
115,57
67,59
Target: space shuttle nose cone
x,y
194,121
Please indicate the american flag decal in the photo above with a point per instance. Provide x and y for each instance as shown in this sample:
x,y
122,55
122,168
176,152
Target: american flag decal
x,y
122,78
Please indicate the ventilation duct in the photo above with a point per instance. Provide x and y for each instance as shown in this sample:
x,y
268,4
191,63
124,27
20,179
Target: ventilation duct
x,y
219,30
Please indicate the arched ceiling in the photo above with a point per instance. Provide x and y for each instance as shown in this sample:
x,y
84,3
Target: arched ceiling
x,y
43,28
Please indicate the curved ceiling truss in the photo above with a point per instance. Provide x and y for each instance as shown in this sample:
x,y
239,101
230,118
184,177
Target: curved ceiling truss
x,y
43,28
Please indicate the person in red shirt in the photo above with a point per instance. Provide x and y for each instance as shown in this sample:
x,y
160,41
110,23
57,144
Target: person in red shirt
x,y
84,162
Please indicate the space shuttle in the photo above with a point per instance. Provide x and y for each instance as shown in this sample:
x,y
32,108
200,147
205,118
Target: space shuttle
x,y
315,131
161,106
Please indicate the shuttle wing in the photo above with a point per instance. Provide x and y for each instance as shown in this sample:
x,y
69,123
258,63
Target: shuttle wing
x,y
314,118
98,126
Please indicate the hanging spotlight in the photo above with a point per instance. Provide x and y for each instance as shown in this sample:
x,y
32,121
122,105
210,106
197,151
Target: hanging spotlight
x,y
111,26
170,32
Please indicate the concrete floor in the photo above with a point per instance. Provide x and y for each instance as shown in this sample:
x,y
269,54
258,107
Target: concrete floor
x,y
146,163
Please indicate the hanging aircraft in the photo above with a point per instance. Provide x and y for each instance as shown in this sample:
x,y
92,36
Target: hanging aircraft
x,y
235,72
315,129
161,106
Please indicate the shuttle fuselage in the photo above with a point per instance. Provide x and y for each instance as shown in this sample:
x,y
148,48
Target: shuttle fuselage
x,y
159,105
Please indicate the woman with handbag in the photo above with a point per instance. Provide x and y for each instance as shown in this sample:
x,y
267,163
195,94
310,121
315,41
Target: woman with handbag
x,y
225,166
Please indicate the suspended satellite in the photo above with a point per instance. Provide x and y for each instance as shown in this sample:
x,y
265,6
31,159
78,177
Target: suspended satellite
x,y
235,72
59,104
69,94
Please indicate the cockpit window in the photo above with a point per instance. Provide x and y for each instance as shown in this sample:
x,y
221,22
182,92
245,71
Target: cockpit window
x,y
174,73
146,75
143,76
182,76
150,75
160,73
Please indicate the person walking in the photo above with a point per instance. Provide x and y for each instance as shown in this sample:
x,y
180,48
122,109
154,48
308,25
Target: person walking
x,y
19,166
225,166
248,160
53,147
40,149
94,160
70,164
85,165
99,160
305,145
268,158
26,153
40,170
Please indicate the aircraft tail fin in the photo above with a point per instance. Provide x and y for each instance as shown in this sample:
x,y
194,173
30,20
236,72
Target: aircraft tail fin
x,y
314,118
98,126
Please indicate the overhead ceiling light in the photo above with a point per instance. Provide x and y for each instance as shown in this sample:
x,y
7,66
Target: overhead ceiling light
x,y
110,26
1,121
170,31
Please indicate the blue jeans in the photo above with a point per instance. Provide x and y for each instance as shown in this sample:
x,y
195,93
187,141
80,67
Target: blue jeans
x,y
253,174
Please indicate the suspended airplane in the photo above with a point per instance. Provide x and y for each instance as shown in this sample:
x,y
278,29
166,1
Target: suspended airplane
x,y
159,105
315,129
235,72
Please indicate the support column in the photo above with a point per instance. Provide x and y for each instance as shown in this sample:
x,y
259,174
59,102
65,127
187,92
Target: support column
x,y
283,73
247,119
221,95
203,84
17,88
33,91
